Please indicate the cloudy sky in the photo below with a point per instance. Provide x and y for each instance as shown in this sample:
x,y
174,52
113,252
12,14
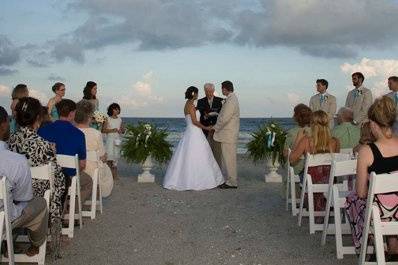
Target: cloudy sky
x,y
145,53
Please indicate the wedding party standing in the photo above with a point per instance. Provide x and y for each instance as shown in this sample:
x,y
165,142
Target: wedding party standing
x,y
324,101
59,90
113,127
192,166
209,108
393,86
359,99
226,133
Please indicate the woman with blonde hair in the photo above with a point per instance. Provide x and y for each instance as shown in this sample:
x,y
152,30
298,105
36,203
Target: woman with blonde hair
x,y
380,157
320,141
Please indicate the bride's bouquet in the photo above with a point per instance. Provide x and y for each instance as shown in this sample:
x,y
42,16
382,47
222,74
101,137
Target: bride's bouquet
x,y
144,140
99,117
268,143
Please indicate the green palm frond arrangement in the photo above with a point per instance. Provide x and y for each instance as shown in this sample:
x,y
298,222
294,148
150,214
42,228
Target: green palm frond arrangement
x,y
268,143
145,140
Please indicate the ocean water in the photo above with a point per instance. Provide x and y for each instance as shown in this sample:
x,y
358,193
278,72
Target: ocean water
x,y
176,127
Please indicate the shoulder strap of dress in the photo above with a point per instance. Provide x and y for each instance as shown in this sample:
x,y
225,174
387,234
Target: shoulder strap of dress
x,y
375,151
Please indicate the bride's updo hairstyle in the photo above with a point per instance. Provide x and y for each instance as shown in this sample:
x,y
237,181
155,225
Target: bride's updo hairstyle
x,y
191,91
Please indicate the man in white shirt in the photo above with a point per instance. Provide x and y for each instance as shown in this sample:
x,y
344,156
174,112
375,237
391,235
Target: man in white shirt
x,y
393,86
359,99
24,210
324,101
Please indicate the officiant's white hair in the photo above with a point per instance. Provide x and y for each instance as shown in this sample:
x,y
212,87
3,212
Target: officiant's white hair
x,y
209,86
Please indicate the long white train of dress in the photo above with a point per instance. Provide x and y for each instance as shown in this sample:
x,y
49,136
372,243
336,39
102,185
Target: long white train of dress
x,y
193,166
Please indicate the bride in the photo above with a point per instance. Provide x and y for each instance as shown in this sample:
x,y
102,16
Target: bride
x,y
193,166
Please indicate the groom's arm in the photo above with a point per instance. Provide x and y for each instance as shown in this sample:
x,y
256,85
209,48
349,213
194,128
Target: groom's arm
x,y
225,116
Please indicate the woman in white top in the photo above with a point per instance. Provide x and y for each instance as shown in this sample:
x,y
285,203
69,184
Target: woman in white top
x,y
94,142
113,127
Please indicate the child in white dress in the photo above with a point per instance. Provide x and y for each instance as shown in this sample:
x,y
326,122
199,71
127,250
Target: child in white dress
x,y
113,127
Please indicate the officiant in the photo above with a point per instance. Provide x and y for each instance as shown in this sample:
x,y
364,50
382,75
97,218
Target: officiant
x,y
209,108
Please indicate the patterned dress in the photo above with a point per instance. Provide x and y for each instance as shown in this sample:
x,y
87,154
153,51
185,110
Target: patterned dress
x,y
387,203
40,152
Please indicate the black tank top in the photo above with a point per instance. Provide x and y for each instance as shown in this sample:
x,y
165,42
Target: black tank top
x,y
380,163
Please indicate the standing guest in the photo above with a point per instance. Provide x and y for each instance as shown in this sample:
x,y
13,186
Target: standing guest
x,y
359,99
20,91
69,140
94,142
324,101
59,90
90,94
39,152
393,86
320,141
302,116
380,157
209,108
113,128
226,133
346,132
25,211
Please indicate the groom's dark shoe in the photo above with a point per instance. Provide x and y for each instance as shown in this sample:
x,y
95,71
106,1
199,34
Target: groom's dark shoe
x,y
221,186
226,186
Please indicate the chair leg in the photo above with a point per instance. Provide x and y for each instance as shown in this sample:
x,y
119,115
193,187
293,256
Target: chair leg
x,y
72,205
338,228
94,197
287,190
302,201
326,219
79,205
379,244
311,209
293,195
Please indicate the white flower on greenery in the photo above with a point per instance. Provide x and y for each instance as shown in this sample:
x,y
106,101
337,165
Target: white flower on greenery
x,y
273,125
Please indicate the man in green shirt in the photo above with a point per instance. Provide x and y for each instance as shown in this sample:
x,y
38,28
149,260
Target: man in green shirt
x,y
346,132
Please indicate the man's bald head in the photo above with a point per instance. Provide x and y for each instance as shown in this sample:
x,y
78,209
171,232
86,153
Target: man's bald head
x,y
345,115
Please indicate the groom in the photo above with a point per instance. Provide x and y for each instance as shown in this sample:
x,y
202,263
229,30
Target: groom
x,y
226,132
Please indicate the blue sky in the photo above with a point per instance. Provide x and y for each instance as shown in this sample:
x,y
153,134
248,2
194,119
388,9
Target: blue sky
x,y
144,53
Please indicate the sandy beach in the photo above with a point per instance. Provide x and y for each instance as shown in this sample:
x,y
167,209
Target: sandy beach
x,y
146,224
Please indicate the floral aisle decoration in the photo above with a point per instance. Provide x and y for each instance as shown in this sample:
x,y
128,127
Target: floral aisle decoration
x,y
142,144
268,144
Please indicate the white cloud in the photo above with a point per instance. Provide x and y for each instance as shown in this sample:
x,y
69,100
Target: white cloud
x,y
39,95
141,95
376,73
5,91
293,99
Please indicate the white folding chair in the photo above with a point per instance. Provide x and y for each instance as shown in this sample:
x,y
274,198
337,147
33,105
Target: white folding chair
x,y
5,220
337,194
94,202
310,188
347,151
379,184
291,181
72,162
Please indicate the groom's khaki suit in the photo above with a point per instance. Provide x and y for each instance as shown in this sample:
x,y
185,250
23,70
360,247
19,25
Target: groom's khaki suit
x,y
328,105
226,133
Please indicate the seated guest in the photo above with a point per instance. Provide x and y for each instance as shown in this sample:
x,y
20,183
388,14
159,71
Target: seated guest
x,y
302,116
346,132
319,141
69,140
94,142
39,152
366,137
45,117
25,211
379,157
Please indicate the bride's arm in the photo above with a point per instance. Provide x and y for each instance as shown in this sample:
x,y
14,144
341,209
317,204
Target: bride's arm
x,y
192,113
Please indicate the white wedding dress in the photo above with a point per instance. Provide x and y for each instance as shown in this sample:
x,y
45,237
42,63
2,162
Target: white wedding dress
x,y
193,166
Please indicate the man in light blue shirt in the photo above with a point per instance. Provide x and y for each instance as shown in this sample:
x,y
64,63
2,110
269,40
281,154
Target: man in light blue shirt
x,y
393,86
24,210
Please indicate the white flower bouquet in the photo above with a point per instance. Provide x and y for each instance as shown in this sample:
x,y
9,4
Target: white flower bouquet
x,y
99,117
